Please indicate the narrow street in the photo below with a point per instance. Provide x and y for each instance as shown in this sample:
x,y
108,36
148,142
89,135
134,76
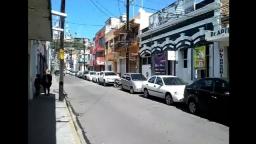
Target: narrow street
x,y
109,115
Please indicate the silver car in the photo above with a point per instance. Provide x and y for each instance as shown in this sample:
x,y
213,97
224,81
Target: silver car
x,y
133,82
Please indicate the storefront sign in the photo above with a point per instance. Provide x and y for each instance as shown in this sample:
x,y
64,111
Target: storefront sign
x,y
221,52
159,66
171,55
219,32
199,57
217,35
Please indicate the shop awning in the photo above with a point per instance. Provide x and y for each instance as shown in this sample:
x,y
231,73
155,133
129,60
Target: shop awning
x,y
39,20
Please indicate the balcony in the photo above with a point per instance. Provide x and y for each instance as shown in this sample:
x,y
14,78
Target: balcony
x,y
100,61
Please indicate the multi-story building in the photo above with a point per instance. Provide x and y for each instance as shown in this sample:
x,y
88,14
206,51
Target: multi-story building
x,y
98,60
175,41
112,25
122,53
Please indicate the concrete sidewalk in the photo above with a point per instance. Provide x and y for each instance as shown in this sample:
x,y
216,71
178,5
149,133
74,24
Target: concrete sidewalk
x,y
51,121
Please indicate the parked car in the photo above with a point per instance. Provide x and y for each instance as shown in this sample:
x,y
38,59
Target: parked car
x,y
73,73
133,82
170,88
107,77
80,74
84,74
207,93
89,75
95,77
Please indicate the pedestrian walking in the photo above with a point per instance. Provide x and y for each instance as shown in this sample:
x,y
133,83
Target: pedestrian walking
x,y
47,82
37,84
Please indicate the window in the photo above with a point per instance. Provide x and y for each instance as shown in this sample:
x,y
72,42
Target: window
x,y
152,79
109,73
149,60
138,77
92,73
185,58
159,81
144,61
173,81
110,67
207,84
221,86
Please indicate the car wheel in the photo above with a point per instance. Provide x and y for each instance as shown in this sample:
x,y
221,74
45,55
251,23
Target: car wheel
x,y
146,94
115,84
122,88
104,83
192,107
131,90
168,99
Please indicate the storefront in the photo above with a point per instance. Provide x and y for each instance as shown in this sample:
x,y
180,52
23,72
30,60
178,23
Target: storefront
x,y
184,37
220,38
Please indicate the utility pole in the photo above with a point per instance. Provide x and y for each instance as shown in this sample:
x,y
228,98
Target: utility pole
x,y
61,83
128,35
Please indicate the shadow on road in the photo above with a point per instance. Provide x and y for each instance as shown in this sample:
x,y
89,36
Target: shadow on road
x,y
42,120
216,115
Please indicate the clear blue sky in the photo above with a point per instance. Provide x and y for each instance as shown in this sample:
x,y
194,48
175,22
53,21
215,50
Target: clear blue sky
x,y
87,17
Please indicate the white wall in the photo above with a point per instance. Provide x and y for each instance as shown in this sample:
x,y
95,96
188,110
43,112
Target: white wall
x,y
184,73
143,19
225,69
146,69
216,60
211,60
32,67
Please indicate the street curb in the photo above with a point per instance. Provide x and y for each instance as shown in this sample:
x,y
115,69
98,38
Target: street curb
x,y
77,124
74,121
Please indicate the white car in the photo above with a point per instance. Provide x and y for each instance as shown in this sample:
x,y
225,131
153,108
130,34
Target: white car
x,y
107,77
90,75
96,77
170,88
133,82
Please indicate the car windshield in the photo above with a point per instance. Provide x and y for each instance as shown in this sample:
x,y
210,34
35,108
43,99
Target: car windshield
x,y
92,73
109,73
173,81
138,77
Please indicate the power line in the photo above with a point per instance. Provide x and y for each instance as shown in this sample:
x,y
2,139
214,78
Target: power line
x,y
92,2
83,24
105,8
69,22
140,6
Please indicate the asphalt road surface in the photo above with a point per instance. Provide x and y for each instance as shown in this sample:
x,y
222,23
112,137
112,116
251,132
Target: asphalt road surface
x,y
109,115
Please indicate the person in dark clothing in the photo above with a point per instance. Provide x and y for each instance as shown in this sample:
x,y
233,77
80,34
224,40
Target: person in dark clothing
x,y
37,84
47,82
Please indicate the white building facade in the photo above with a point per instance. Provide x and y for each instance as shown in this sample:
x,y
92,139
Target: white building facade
x,y
175,42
